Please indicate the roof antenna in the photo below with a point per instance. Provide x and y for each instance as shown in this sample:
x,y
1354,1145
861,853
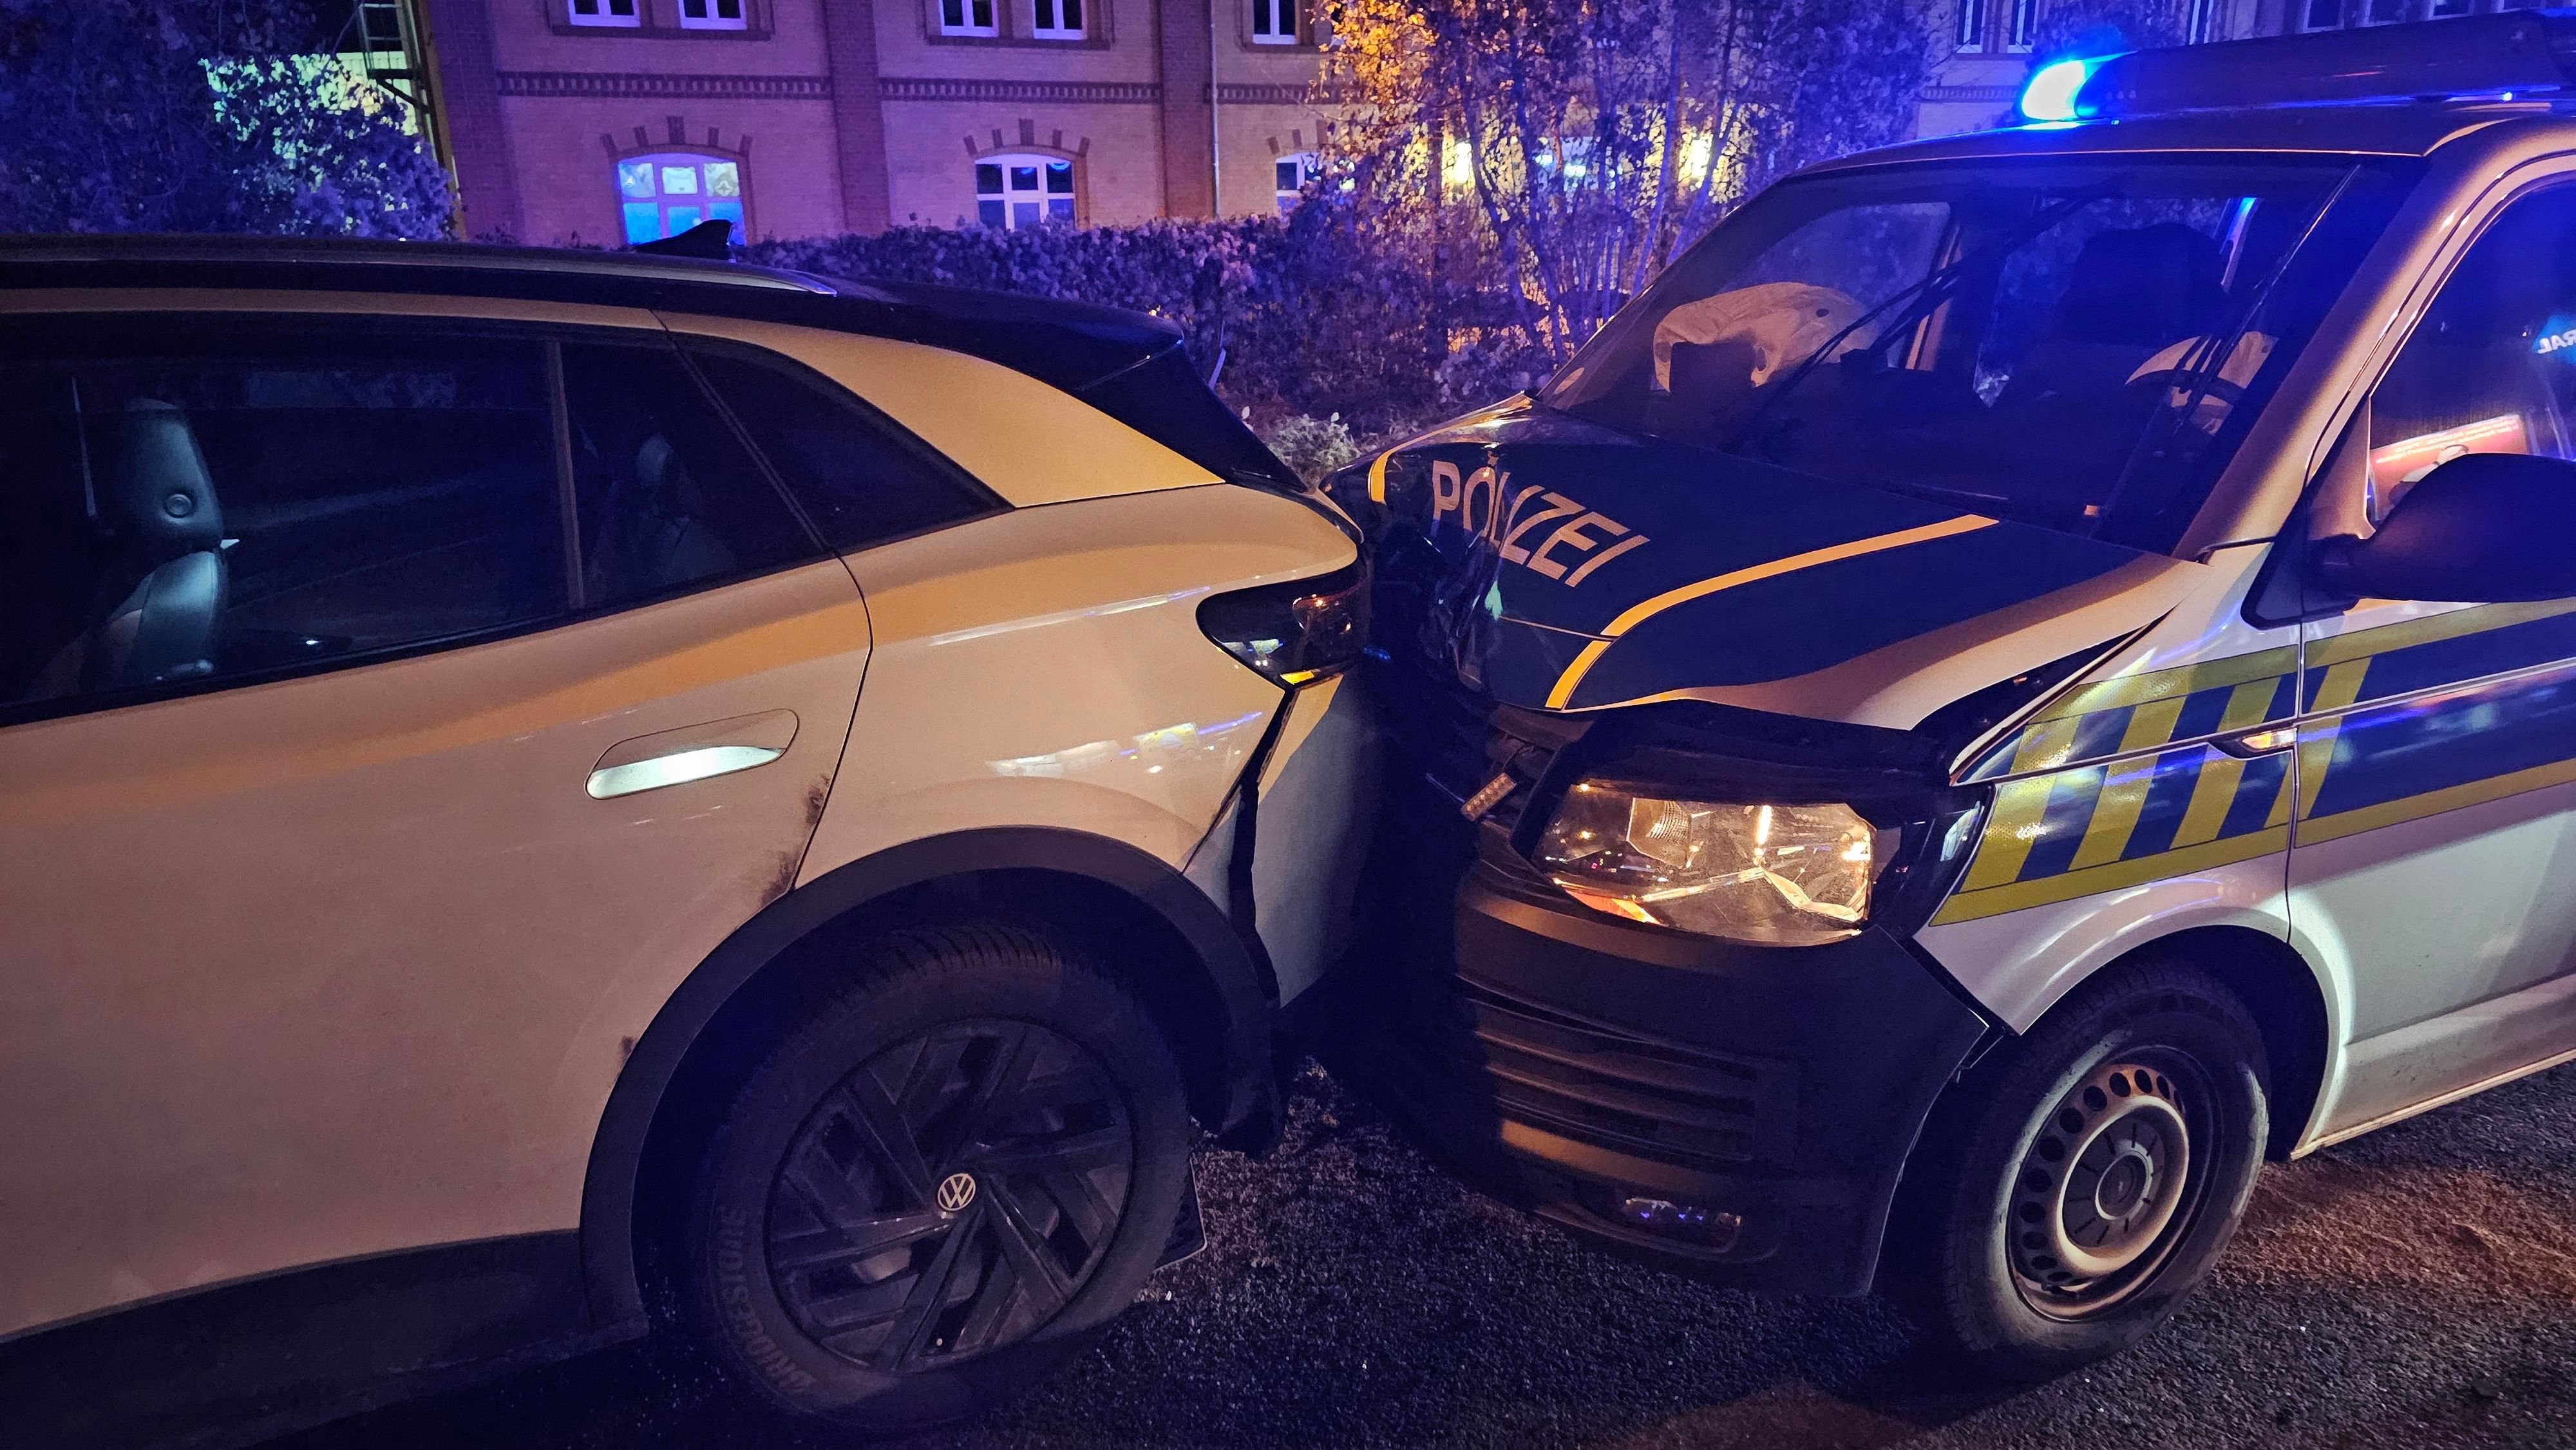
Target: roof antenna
x,y
711,240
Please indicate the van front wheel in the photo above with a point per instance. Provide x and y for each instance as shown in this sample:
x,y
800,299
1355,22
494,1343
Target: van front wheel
x,y
2089,1174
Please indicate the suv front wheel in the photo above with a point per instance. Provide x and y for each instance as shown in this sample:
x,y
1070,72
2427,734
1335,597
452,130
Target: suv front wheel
x,y
962,1162
2088,1175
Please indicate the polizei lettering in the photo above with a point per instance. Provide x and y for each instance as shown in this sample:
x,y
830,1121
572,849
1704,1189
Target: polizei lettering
x,y
1539,529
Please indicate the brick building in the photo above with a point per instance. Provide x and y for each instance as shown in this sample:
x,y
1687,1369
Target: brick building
x,y
618,120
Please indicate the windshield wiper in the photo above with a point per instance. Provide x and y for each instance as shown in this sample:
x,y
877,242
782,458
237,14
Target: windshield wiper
x,y
1927,295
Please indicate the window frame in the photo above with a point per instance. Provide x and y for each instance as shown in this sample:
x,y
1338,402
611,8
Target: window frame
x,y
702,157
389,329
967,29
1079,30
1310,168
1046,164
2021,26
1286,15
606,18
1969,36
714,19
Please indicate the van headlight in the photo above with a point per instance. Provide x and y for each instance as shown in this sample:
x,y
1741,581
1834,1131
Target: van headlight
x,y
1773,874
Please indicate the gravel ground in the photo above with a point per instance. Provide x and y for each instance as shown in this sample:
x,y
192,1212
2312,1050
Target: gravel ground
x,y
2415,1288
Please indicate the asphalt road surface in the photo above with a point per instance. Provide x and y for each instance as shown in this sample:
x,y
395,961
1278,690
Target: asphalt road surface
x,y
2414,1288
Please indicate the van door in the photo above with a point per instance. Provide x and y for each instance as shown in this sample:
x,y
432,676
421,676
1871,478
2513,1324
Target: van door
x,y
2435,845
390,716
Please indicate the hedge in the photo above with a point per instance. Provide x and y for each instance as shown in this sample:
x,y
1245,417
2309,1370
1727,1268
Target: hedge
x,y
1312,329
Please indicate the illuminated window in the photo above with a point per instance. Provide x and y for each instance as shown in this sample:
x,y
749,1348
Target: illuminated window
x,y
967,17
1274,22
2025,26
711,15
1291,173
1023,191
604,12
668,192
1056,19
1972,26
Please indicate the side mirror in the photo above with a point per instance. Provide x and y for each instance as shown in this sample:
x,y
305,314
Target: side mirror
x,y
2484,528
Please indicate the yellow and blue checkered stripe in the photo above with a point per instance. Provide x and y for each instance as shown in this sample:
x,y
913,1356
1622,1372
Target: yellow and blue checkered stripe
x,y
2118,783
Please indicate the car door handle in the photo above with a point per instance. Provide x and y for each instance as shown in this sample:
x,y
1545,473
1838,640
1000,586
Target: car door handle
x,y
694,752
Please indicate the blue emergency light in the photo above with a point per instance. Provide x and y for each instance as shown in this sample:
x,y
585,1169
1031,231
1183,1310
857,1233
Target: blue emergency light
x,y
2500,55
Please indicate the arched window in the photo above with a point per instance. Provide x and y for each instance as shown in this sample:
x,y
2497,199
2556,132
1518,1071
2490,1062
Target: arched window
x,y
668,192
1023,191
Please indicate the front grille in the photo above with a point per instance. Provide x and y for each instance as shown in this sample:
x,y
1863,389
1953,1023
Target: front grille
x,y
1657,1099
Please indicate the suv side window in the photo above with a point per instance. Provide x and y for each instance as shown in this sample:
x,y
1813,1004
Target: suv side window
x,y
192,501
859,476
666,495
2492,366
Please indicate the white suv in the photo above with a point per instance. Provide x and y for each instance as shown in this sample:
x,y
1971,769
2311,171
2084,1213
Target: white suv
x,y
526,778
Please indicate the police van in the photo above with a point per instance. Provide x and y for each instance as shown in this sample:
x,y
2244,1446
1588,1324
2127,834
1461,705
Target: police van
x,y
2027,674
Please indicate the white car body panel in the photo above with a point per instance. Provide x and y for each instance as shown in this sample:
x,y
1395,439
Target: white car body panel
x,y
2020,964
1045,667
378,948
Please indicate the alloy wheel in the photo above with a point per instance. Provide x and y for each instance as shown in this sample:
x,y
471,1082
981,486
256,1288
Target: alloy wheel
x,y
950,1196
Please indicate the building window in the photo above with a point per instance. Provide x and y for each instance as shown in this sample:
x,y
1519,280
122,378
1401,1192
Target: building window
x,y
2321,15
2025,27
668,192
2202,24
712,15
967,17
604,12
1274,22
1056,19
1292,172
1971,38
2391,12
1023,191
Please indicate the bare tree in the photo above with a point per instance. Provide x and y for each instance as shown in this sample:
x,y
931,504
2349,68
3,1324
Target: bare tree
x,y
1563,152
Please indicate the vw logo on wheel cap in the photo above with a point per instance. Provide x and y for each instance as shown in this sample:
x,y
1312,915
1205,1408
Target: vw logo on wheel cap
x,y
956,1191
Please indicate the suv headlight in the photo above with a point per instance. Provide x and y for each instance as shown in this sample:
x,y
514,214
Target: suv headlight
x,y
1774,874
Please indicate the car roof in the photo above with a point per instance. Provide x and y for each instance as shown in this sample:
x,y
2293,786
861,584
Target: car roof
x,y
1069,345
2404,128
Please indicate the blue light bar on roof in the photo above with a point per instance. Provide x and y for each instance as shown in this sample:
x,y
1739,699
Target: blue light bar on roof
x,y
2051,93
2475,55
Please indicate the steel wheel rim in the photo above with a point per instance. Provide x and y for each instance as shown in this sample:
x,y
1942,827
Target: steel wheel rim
x,y
2113,1180
950,1196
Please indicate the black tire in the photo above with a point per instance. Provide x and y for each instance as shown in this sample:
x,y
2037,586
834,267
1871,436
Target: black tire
x,y
2086,1176
979,1063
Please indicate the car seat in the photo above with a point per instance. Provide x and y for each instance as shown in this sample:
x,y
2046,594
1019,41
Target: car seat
x,y
162,594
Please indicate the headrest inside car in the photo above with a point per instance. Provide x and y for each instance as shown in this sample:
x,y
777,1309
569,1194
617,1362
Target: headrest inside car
x,y
154,476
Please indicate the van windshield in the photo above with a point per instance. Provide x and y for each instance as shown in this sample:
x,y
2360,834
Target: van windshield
x,y
2079,345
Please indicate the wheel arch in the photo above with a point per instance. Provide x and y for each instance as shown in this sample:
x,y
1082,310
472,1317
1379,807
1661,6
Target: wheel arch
x,y
1136,916
2286,995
